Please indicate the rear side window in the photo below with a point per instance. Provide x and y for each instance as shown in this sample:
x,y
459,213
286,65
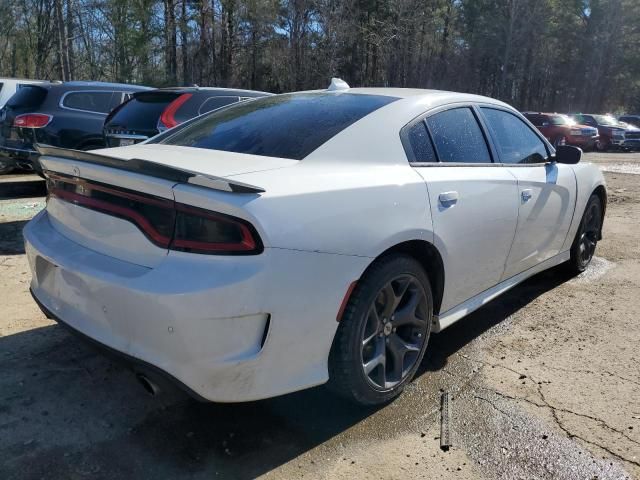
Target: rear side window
x,y
457,137
99,102
516,141
421,146
143,110
28,96
213,103
286,126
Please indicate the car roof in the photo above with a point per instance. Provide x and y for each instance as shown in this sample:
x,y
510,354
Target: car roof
x,y
28,80
125,86
376,135
237,91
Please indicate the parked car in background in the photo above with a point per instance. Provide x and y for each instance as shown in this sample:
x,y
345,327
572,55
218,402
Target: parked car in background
x,y
612,134
9,86
148,113
563,130
280,243
69,115
631,120
631,136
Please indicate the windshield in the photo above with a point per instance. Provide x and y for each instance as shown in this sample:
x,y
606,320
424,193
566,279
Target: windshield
x,y
286,126
606,120
557,120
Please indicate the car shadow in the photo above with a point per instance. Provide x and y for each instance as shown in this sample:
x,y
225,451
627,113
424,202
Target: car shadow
x,y
443,345
11,241
66,411
23,189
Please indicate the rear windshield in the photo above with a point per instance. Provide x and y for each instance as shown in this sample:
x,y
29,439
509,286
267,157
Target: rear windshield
x,y
29,96
143,110
286,126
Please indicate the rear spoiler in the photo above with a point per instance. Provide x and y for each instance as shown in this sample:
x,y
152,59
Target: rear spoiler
x,y
152,169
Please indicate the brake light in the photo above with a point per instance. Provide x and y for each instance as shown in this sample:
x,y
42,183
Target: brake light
x,y
165,223
168,119
32,120
201,231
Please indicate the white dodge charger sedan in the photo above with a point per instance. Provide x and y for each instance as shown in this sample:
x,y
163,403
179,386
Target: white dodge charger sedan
x,y
306,238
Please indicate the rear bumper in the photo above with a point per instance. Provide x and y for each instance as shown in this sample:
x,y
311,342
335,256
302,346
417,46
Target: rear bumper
x,y
229,328
135,363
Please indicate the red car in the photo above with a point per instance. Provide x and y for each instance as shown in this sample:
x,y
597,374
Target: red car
x,y
563,130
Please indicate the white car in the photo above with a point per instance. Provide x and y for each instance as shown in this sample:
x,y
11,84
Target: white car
x,y
306,238
9,86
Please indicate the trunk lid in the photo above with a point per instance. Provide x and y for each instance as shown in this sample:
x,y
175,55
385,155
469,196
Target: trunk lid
x,y
119,203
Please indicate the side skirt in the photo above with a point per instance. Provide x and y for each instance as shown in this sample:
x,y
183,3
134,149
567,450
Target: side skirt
x,y
454,314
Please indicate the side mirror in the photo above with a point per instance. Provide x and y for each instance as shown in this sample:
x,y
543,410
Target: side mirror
x,y
567,154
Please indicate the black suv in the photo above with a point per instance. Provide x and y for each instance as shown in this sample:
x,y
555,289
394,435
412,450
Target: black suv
x,y
69,115
148,113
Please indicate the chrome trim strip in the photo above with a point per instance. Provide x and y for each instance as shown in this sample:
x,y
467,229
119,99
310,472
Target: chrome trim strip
x,y
64,95
126,136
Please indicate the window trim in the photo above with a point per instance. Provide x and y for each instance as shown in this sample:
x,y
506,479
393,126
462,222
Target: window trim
x,y
64,95
404,138
548,147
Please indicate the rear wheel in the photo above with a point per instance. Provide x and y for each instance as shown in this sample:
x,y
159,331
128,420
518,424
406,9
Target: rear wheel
x,y
586,239
383,333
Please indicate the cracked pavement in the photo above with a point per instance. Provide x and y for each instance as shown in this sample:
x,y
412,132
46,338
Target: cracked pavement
x,y
544,384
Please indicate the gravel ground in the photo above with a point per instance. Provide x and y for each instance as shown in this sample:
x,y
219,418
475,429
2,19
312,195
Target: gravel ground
x,y
545,384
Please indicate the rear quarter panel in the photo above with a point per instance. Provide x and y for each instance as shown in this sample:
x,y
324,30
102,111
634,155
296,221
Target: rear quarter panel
x,y
588,178
359,210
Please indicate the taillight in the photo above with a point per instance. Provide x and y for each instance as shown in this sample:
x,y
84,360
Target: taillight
x,y
168,117
32,120
201,231
165,223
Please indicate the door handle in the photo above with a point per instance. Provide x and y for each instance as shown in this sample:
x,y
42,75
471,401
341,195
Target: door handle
x,y
526,195
448,199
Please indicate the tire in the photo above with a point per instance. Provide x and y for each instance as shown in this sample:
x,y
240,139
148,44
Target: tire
x,y
586,239
383,332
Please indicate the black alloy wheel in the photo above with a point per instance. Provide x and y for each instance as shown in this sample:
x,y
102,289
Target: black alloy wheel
x,y
383,333
587,236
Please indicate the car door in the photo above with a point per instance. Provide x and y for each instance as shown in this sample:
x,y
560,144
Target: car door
x,y
474,201
546,190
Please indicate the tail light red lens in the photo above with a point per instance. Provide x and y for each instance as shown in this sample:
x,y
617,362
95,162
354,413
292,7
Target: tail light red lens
x,y
202,231
168,117
164,222
32,120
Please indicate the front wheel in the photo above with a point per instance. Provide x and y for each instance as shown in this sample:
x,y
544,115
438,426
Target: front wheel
x,y
383,333
586,239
